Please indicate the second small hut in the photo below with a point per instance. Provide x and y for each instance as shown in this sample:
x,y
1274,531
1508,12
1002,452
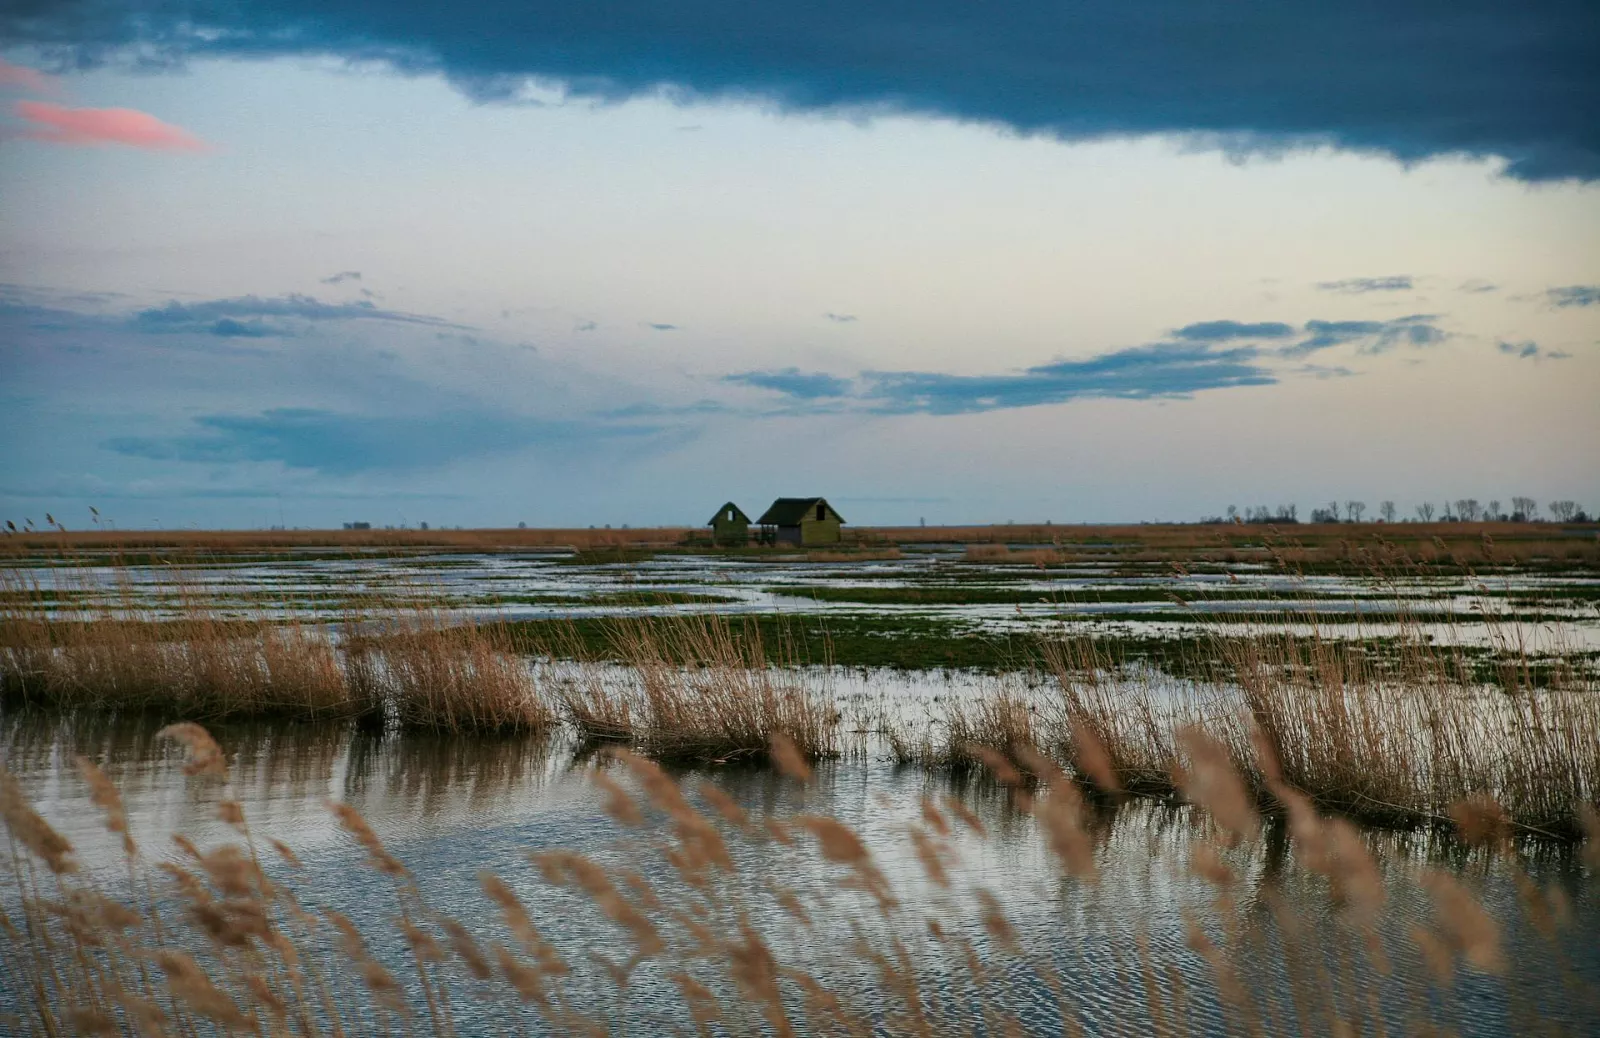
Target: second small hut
x,y
800,520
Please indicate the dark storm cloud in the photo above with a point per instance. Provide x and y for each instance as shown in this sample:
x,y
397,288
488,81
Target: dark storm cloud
x,y
793,382
341,277
344,444
1416,330
243,316
1413,80
1530,351
16,313
1138,373
1224,331
1322,335
233,328
1574,295
1361,286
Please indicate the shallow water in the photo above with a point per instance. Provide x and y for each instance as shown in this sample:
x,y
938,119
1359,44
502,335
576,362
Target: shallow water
x,y
1455,610
451,806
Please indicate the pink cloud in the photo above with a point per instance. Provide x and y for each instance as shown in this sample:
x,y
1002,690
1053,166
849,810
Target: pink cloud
x,y
58,124
29,79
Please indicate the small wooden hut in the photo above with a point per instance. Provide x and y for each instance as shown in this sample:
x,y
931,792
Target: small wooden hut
x,y
800,520
730,526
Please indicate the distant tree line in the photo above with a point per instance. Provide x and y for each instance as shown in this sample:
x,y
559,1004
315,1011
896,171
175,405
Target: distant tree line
x,y
1464,510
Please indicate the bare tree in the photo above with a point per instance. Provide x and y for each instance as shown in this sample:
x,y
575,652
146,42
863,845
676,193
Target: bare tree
x,y
1467,509
1425,512
1494,511
1332,511
1563,511
1524,509
1354,510
1387,510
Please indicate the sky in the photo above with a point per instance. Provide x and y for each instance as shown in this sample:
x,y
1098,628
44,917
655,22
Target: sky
x,y
570,264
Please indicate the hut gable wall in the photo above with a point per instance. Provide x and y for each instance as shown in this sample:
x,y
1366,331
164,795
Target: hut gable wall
x,y
802,520
730,525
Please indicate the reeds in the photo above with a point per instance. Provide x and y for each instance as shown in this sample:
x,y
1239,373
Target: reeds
x,y
689,687
948,740
1400,743
220,940
1005,555
1341,547
188,658
1392,739
696,688
119,542
1391,742
458,678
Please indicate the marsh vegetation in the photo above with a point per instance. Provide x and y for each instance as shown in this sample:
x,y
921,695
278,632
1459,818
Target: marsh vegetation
x,y
1246,716
712,907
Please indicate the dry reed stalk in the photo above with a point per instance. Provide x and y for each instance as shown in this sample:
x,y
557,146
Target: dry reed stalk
x,y
1128,729
1003,554
247,961
1402,745
30,829
462,678
1000,718
1393,742
171,648
708,694
196,542
563,867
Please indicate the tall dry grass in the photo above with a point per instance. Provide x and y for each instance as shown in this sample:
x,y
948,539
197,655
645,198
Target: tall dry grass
x,y
1399,743
432,674
186,656
1389,738
689,687
117,542
699,688
1391,741
1005,555
224,939
1306,545
948,741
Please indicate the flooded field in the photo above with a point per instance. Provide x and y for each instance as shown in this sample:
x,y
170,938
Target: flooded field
x,y
927,789
1136,938
934,587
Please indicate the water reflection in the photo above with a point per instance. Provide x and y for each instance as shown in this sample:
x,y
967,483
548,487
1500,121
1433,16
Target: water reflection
x,y
451,807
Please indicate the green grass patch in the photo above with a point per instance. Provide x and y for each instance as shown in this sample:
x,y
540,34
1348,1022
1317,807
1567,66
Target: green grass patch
x,y
955,594
900,642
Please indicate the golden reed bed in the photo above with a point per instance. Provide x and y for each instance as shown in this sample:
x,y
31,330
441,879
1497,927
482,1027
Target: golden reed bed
x,y
225,939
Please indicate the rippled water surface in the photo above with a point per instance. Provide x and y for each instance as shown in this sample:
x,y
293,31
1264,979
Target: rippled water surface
x,y
451,807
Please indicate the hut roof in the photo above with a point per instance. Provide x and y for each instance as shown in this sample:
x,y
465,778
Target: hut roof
x,y
789,511
738,514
